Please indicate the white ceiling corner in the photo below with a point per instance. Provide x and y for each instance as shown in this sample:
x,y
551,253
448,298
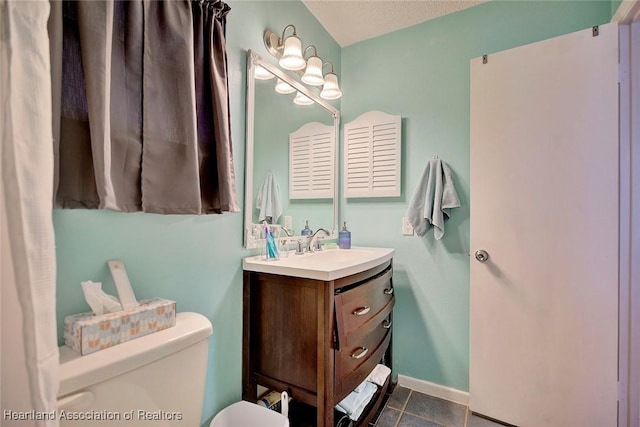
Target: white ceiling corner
x,y
352,21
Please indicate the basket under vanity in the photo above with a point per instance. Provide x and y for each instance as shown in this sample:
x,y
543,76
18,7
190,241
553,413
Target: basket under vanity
x,y
316,330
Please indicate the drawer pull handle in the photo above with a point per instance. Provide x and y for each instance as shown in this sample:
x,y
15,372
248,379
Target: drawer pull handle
x,y
387,324
360,354
362,311
388,291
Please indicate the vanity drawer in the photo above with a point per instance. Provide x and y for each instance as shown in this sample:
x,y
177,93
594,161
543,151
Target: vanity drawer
x,y
354,362
360,310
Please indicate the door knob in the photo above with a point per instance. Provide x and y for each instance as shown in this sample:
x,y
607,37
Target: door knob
x,y
482,255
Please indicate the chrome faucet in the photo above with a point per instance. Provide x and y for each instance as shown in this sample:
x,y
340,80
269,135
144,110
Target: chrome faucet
x,y
288,232
313,242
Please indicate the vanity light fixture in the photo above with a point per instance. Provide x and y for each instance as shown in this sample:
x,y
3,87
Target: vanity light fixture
x,y
330,90
262,74
302,99
292,58
284,87
313,73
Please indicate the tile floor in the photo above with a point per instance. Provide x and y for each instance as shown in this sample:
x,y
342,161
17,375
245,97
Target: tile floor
x,y
408,408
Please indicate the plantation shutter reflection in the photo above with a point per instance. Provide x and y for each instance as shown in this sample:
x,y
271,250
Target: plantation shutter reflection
x,y
311,162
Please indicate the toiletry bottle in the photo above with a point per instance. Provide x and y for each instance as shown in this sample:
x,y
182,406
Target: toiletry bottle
x,y
344,237
306,231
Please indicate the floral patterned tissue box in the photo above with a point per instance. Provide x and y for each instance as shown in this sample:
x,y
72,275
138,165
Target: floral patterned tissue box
x,y
87,333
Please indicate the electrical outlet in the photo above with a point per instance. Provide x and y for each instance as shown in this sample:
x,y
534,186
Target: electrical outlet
x,y
288,222
407,229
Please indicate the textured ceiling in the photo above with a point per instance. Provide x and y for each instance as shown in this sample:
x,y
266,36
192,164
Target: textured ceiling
x,y
351,21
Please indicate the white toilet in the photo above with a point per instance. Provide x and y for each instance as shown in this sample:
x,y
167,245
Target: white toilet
x,y
245,413
156,381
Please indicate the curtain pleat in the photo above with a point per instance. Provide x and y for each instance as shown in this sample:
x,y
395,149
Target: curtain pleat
x,y
144,114
126,104
170,172
54,29
95,24
214,124
74,179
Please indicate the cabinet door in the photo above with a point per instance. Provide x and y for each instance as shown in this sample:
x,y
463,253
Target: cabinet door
x,y
544,192
284,321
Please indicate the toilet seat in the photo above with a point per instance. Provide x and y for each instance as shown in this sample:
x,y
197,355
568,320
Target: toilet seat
x,y
247,414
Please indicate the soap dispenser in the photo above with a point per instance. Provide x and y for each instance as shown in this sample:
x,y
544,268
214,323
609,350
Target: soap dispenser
x,y
306,231
344,237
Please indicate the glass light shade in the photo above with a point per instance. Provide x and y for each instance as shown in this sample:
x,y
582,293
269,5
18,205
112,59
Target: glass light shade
x,y
262,74
331,90
284,87
313,74
292,58
302,99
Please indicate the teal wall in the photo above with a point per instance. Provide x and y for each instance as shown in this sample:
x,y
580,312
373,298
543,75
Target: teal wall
x,y
422,73
195,260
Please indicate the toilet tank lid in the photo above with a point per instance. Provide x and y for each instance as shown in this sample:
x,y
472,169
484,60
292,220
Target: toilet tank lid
x,y
77,372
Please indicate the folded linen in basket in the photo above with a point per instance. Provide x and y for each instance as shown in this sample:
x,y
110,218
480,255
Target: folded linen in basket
x,y
379,374
356,401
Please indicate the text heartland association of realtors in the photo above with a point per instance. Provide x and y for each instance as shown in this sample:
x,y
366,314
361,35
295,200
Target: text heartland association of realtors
x,y
132,415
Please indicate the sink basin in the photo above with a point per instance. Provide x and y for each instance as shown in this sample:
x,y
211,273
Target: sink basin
x,y
329,264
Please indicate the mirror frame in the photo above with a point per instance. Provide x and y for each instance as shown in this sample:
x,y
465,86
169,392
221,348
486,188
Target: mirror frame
x,y
253,60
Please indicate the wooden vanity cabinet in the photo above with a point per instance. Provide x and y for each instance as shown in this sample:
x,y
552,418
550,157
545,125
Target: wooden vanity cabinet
x,y
318,340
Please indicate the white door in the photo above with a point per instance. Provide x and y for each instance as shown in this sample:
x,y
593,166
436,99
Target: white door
x,y
544,206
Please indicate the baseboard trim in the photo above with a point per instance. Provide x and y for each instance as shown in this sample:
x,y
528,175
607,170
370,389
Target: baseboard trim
x,y
436,390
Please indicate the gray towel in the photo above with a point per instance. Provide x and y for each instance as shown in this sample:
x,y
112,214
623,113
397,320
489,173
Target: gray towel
x,y
432,199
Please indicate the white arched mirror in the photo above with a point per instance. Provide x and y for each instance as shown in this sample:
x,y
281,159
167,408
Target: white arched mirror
x,y
294,145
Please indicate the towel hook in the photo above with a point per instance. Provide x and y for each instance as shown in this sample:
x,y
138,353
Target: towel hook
x,y
435,157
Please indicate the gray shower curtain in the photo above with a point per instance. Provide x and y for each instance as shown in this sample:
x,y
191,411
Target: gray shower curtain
x,y
142,122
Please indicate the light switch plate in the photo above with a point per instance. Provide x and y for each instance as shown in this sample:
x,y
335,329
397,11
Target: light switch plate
x,y
288,222
407,229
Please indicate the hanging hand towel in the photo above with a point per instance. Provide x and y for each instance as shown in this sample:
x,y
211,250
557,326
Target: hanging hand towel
x,y
269,201
432,199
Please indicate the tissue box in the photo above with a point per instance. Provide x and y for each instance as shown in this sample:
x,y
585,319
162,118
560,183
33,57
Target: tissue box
x,y
87,333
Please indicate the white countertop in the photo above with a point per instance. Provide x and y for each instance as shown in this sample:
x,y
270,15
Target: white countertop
x,y
329,264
